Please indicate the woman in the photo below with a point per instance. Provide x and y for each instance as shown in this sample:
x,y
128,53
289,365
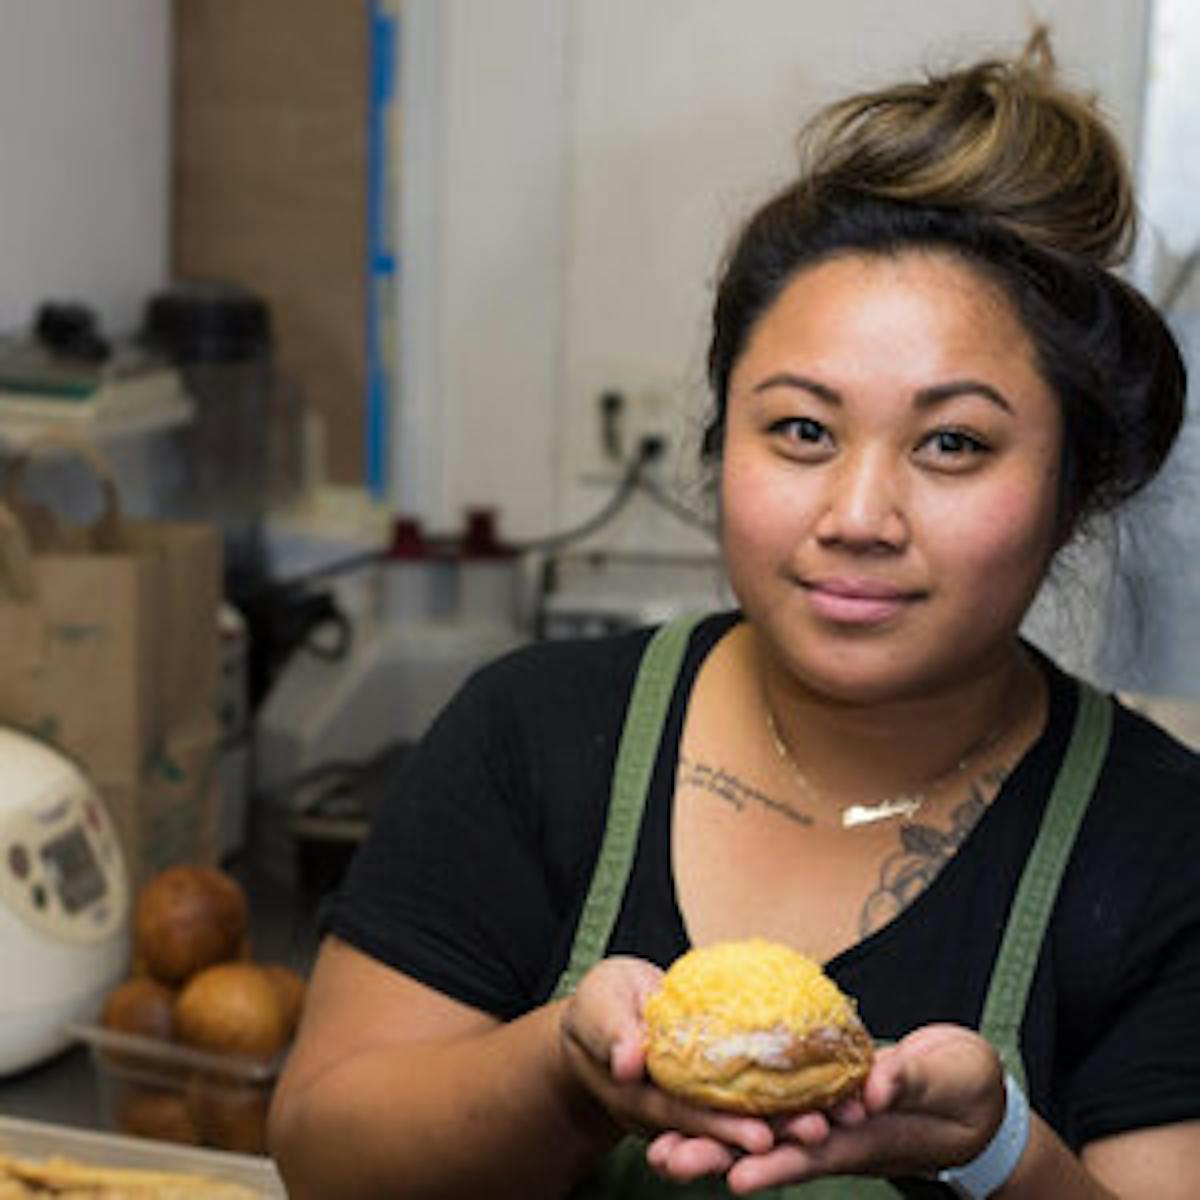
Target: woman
x,y
925,380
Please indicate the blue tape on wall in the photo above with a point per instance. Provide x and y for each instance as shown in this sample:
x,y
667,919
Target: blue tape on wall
x,y
381,258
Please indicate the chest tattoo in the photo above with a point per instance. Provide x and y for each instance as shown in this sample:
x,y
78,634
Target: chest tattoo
x,y
734,791
923,851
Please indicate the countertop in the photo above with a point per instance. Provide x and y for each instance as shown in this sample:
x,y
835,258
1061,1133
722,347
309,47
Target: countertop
x,y
65,1089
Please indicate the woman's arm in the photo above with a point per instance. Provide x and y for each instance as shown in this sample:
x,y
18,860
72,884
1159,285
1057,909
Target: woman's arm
x,y
390,1083
1159,1163
393,1089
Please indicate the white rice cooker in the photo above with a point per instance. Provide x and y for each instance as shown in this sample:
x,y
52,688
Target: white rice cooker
x,y
64,901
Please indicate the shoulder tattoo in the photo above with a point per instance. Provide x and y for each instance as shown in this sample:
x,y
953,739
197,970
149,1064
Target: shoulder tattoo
x,y
923,851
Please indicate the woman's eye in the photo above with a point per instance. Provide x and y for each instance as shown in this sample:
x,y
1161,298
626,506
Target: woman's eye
x,y
953,447
801,429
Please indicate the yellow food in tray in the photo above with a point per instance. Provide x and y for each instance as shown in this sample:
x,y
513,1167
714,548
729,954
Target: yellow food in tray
x,y
43,1159
63,1177
755,1027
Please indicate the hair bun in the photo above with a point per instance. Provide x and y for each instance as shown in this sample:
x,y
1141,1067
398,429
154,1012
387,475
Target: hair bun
x,y
1002,139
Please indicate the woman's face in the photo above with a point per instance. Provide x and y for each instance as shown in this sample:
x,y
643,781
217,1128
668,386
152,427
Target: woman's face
x,y
890,475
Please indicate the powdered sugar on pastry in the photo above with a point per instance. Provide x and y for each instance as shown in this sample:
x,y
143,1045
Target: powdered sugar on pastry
x,y
766,1047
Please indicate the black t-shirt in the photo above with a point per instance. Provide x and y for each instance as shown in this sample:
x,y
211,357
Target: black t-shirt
x,y
474,873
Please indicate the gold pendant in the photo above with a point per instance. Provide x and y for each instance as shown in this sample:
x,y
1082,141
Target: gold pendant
x,y
868,814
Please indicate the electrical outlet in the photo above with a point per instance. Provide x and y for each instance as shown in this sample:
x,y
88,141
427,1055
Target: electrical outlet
x,y
607,433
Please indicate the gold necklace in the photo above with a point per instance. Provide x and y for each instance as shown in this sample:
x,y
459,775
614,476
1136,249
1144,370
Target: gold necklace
x,y
905,805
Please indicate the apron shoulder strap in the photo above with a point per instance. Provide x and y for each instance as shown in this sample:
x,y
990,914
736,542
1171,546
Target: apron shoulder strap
x,y
1012,977
636,754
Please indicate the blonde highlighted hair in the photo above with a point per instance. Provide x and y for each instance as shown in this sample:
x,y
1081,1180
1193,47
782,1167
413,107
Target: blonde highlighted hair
x,y
1001,139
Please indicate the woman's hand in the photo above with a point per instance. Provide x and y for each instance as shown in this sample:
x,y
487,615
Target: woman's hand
x,y
603,1038
932,1100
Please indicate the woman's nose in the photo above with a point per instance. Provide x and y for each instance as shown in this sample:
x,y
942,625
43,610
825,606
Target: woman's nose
x,y
864,506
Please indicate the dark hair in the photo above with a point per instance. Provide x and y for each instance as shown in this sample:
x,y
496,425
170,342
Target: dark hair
x,y
1021,180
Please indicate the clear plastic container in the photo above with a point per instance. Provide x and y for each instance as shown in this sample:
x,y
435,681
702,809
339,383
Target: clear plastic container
x,y
164,1090
242,452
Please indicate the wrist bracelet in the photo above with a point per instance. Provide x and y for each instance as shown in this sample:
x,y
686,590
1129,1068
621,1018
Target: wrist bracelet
x,y
990,1169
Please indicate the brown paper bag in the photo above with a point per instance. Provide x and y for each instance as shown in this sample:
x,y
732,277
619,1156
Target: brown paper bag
x,y
179,793
24,626
77,652
171,813
109,649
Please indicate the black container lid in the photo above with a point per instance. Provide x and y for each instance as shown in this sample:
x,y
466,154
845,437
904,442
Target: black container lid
x,y
201,320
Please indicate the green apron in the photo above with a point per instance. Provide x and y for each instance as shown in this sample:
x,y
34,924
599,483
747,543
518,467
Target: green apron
x,y
624,1172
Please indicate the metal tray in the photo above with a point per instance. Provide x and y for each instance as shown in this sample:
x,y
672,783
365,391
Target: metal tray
x,y
38,1139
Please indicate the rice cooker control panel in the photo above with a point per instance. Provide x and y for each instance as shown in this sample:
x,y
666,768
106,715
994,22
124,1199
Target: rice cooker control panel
x,y
61,869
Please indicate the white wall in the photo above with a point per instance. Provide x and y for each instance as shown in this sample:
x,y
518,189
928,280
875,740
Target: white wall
x,y
597,154
484,132
84,155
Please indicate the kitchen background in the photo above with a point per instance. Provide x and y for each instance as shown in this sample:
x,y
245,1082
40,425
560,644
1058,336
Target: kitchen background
x,y
553,182
478,239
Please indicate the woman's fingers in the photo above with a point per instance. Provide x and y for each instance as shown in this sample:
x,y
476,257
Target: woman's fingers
x,y
882,1147
604,1042
786,1163
849,1112
944,1072
933,1098
627,1059
809,1129
606,1010
744,1135
680,1158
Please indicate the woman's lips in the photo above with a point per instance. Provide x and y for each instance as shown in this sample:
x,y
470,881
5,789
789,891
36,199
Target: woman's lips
x,y
856,601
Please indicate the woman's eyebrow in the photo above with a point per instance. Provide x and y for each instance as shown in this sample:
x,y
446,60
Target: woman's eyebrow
x,y
789,380
939,393
926,397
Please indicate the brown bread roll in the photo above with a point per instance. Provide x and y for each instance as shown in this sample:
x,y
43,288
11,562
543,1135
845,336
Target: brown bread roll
x,y
232,1008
